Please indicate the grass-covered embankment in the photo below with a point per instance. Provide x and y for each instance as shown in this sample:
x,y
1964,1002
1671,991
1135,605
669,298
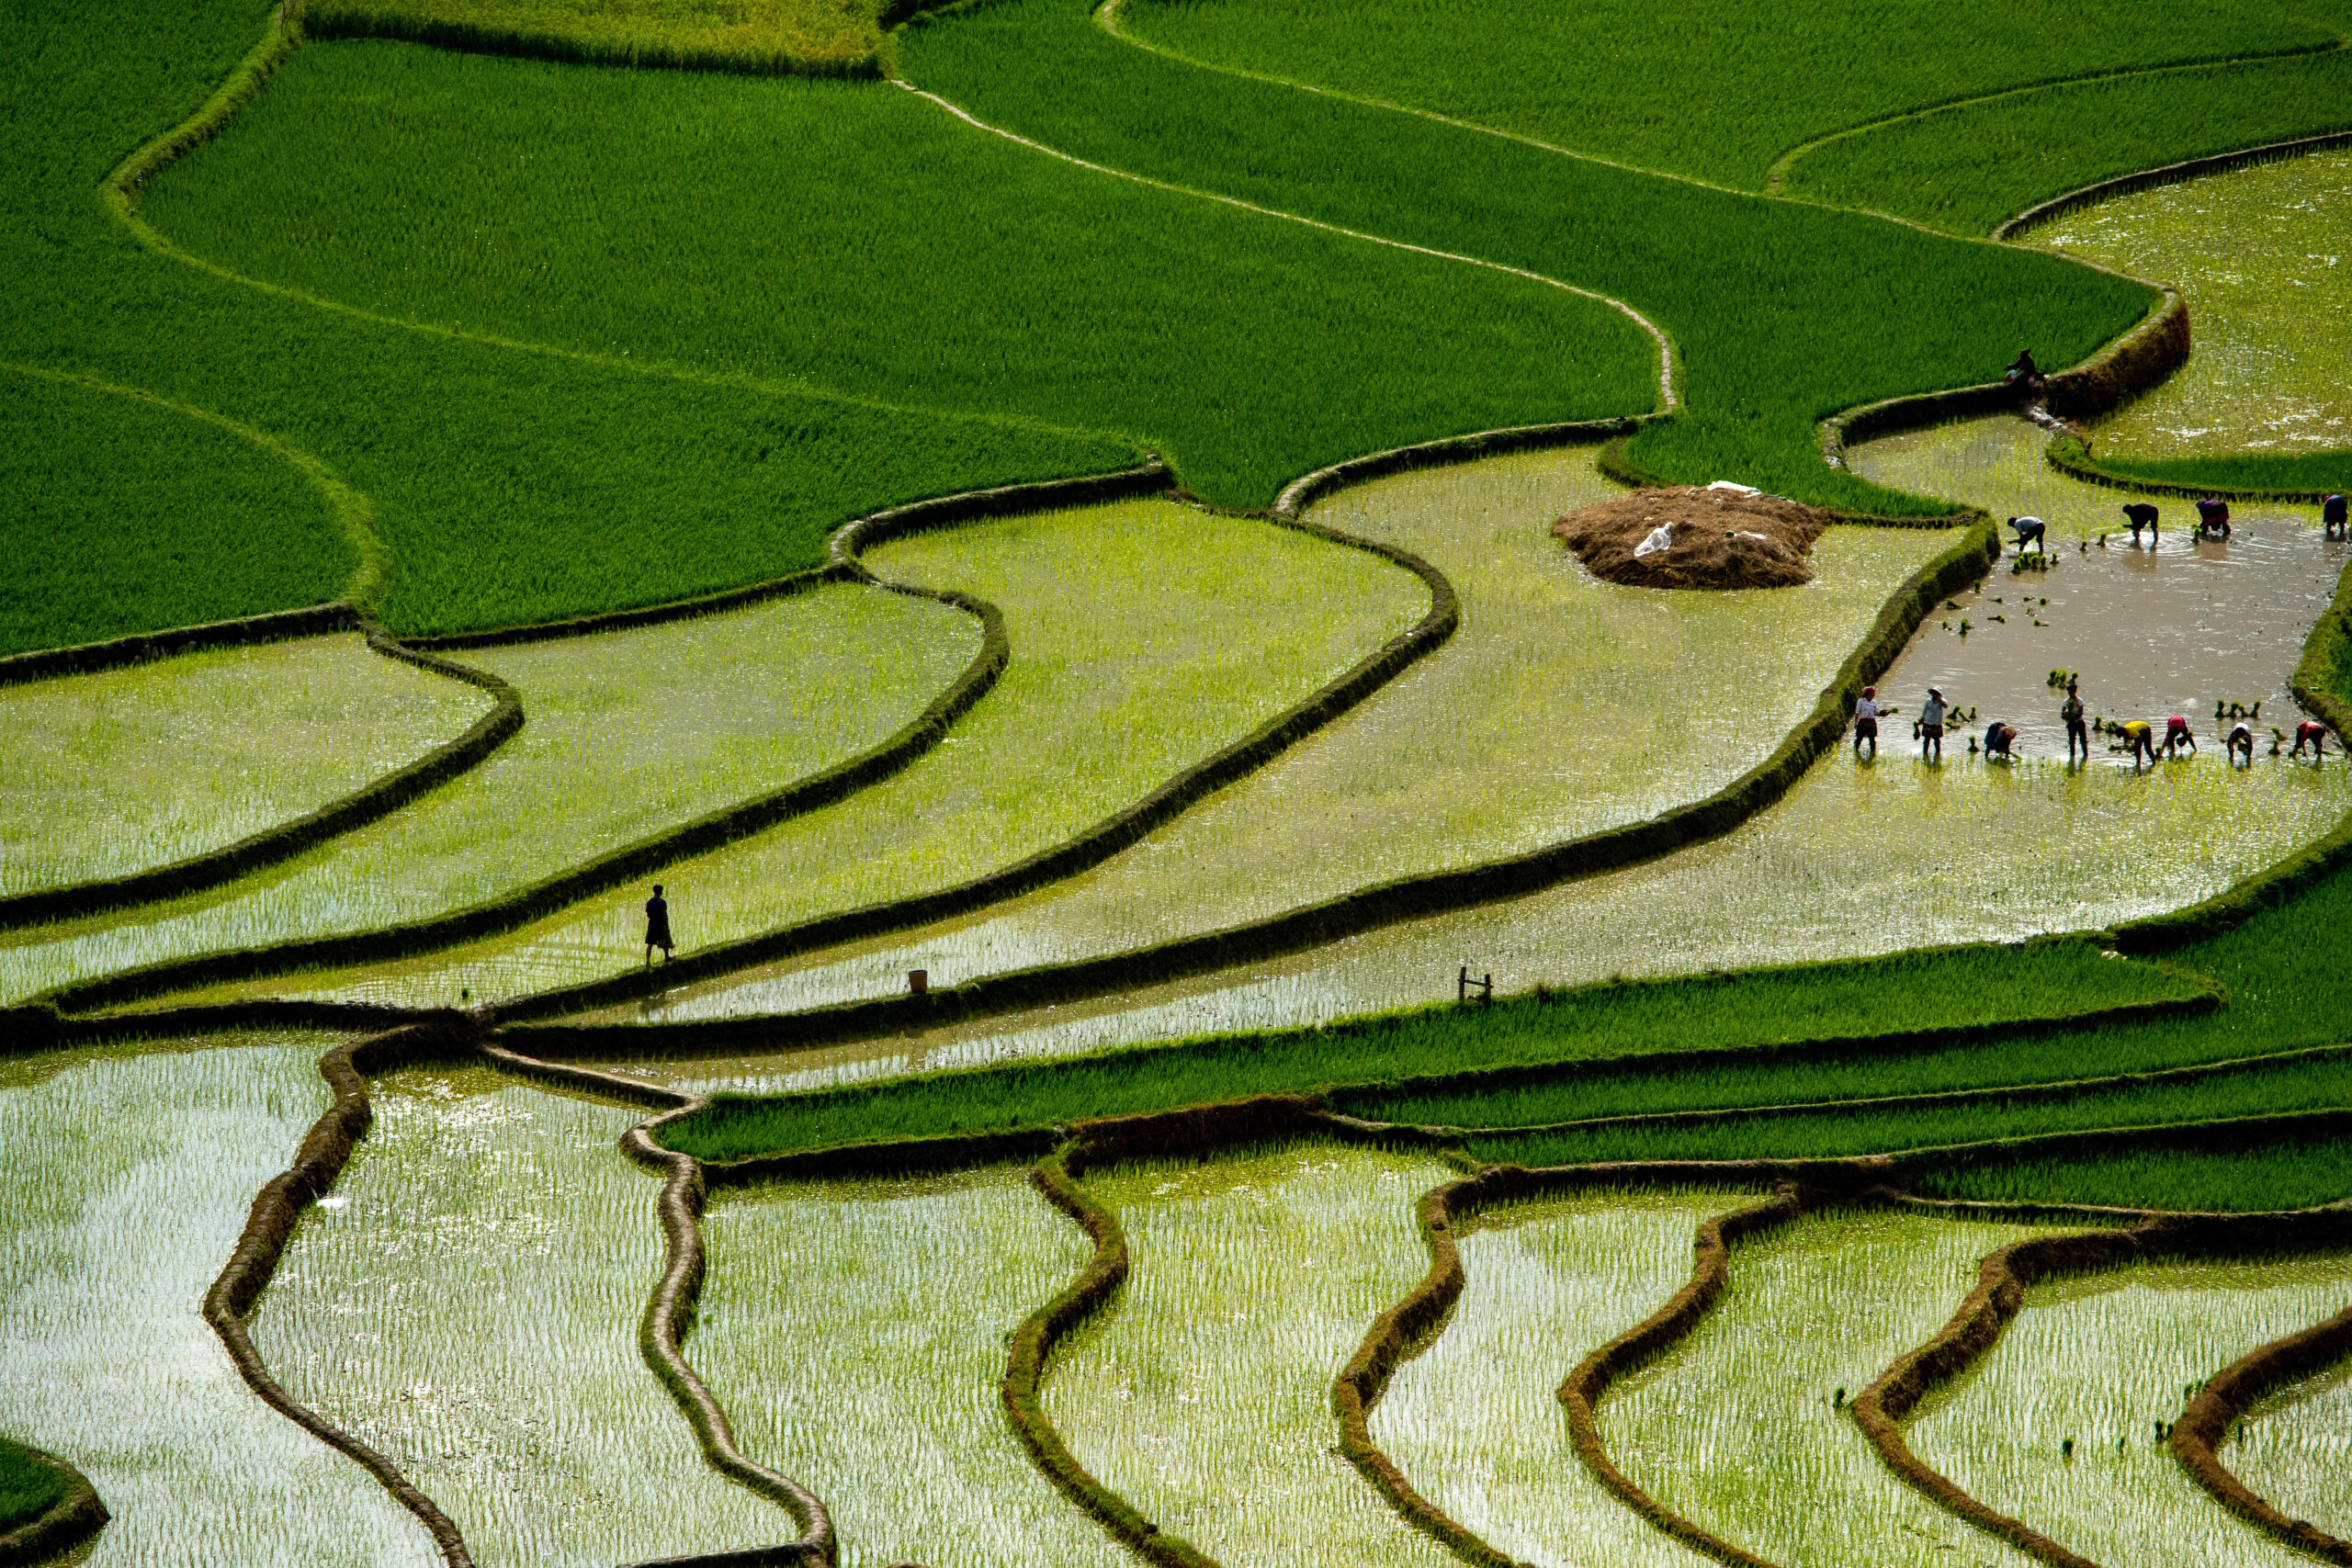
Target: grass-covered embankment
x,y
853,237
1700,87
29,1485
1781,313
806,38
1970,987
508,485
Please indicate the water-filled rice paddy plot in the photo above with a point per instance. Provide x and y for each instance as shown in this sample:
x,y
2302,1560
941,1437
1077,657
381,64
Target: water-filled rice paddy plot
x,y
467,1301
130,1171
2107,1360
1867,857
856,1333
626,734
1145,636
1202,1393
122,771
1563,706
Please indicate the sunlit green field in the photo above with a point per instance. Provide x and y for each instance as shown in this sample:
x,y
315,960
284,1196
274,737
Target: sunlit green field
x,y
369,1209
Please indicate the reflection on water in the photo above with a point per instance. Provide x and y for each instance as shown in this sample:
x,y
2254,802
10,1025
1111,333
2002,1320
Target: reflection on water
x,y
1866,858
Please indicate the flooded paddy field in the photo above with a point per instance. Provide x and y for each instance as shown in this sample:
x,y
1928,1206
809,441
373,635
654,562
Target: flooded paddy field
x,y
466,1301
1563,706
1203,1392
2292,1447
2108,1360
118,770
856,1329
1146,636
2259,253
1474,1420
130,1171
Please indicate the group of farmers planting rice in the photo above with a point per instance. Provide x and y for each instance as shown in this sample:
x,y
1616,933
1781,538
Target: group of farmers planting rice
x,y
2136,739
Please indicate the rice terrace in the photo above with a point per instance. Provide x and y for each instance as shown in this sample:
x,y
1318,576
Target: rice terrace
x,y
1037,784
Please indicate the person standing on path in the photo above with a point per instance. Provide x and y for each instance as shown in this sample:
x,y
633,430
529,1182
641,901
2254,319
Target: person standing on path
x,y
656,926
1866,722
2078,733
1931,726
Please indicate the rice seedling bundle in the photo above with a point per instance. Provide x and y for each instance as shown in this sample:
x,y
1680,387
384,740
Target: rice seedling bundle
x,y
115,771
1475,1421
1966,168
467,1302
130,1173
2109,1359
108,496
1202,1394
1781,312
1741,1427
1719,91
856,1333
817,37
1563,706
2252,249
1146,636
856,239
626,734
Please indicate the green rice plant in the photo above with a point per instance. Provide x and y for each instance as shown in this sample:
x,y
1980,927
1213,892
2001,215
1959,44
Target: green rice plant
x,y
1563,706
813,37
131,1172
1719,91
1966,168
2276,1173
1145,636
526,485
1474,1420
2060,1423
854,238
627,733
118,770
1781,313
2250,251
2290,1448
109,493
1202,1394
1741,1426
856,1333
466,1301
29,1488
1604,1036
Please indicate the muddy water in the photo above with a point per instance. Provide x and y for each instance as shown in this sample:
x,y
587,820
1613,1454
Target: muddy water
x,y
1867,857
2259,253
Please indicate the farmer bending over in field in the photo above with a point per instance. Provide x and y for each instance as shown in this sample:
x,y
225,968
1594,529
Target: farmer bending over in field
x,y
2335,518
1866,722
2177,736
2027,528
1931,726
2078,733
656,926
1998,739
2140,741
2240,744
2314,732
2212,519
2141,515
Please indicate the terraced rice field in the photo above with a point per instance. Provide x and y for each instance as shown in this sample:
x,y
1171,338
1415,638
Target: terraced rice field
x,y
1203,1394
1740,1428
2106,1360
2255,254
131,1172
115,771
1146,636
1474,1422
1864,858
856,1330
1563,706
626,734
466,1303
2290,1451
